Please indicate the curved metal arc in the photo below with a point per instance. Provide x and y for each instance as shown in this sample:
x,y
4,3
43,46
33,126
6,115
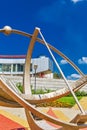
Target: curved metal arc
x,y
21,33
27,65
33,125
34,99
9,103
27,88
29,107
53,48
28,58
55,95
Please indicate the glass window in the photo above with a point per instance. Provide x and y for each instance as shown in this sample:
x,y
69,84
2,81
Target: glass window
x,y
20,67
6,68
14,67
31,67
0,67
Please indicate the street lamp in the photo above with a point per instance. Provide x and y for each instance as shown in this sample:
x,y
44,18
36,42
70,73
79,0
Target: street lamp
x,y
35,68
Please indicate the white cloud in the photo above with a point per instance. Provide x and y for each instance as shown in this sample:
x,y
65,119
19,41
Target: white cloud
x,y
83,60
73,76
75,1
63,62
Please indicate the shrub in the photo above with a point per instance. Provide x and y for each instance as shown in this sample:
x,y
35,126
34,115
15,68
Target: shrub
x,y
20,86
79,93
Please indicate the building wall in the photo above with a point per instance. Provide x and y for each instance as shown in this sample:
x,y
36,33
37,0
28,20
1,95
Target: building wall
x,y
11,66
43,64
15,66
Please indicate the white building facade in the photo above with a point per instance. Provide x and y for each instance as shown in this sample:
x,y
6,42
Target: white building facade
x,y
14,65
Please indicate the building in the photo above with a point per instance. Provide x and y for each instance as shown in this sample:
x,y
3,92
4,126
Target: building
x,y
14,65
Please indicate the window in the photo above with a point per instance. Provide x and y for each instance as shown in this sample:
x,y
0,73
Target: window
x,y
0,67
20,67
6,68
31,67
14,67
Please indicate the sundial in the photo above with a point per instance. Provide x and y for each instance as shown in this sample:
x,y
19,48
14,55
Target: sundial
x,y
27,100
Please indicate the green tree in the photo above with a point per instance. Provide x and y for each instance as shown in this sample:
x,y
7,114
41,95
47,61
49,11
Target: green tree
x,y
57,76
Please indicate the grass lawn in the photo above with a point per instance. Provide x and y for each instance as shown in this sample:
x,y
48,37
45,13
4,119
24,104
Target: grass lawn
x,y
62,102
69,100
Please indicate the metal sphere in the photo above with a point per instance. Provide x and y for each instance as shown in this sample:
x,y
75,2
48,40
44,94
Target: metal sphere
x,y
7,30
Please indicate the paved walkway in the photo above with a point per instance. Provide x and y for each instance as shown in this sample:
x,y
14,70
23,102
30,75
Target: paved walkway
x,y
18,115
65,114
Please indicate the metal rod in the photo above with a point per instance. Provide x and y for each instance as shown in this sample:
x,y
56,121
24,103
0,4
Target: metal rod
x,y
74,96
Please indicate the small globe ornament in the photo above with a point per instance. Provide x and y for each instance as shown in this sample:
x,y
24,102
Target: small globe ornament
x,y
7,30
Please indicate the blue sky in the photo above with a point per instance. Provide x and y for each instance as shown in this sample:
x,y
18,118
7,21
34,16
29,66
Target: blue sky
x,y
62,22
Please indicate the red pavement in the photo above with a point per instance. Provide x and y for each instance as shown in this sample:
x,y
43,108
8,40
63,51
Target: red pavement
x,y
8,124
